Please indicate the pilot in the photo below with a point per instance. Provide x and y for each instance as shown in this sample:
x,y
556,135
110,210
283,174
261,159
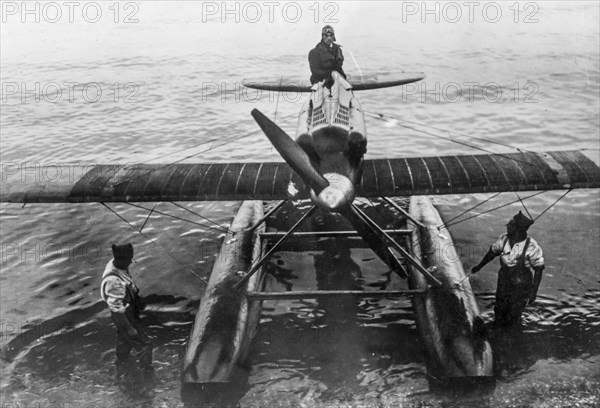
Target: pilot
x,y
325,57
121,294
521,267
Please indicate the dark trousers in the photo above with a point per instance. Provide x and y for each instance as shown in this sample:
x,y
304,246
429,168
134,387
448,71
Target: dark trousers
x,y
140,344
512,294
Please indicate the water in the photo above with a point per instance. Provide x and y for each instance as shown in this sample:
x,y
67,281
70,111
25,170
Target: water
x,y
58,340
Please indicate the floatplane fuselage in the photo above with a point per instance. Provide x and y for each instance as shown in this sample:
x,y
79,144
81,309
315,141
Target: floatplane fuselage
x,y
331,132
331,141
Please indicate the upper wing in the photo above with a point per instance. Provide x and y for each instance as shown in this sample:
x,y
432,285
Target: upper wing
x,y
269,181
358,82
383,80
279,85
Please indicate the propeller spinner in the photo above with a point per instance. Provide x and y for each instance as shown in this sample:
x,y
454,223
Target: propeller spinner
x,y
331,191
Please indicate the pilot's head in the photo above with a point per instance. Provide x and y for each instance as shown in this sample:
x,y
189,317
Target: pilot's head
x,y
328,35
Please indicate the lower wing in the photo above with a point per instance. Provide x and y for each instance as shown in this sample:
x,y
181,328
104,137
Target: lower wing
x,y
460,174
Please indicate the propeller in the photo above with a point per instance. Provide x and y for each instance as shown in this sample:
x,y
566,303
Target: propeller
x,y
291,152
373,239
333,199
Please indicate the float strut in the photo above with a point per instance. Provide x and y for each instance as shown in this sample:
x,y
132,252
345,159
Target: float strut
x,y
267,215
318,294
275,247
402,210
397,246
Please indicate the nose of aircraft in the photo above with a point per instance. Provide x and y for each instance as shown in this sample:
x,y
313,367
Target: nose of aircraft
x,y
338,194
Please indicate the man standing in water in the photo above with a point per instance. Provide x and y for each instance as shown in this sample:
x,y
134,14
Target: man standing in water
x,y
325,57
517,284
121,294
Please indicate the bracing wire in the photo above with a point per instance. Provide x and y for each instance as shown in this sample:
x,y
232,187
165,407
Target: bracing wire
x,y
224,229
187,268
216,139
493,209
383,118
523,204
450,223
356,65
184,158
470,209
148,217
227,141
559,198
277,102
176,217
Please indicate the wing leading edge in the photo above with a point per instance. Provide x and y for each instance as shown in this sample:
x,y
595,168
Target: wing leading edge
x,y
358,82
462,174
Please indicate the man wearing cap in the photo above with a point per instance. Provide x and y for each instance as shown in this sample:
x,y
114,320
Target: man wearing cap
x,y
517,284
121,294
325,57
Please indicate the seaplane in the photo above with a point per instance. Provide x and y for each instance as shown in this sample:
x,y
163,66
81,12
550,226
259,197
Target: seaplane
x,y
325,164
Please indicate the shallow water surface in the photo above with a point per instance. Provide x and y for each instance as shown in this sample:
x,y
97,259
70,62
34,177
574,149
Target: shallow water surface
x,y
57,336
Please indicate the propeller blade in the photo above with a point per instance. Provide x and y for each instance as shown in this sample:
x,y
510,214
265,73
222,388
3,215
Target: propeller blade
x,y
291,152
374,240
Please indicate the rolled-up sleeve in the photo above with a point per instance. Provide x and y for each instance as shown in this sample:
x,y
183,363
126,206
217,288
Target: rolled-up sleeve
x,y
535,255
115,292
497,247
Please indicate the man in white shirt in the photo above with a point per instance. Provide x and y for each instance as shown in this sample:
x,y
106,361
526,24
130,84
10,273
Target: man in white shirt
x,y
521,267
121,294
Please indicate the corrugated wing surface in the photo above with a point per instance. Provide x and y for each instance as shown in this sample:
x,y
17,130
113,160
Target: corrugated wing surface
x,y
269,181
